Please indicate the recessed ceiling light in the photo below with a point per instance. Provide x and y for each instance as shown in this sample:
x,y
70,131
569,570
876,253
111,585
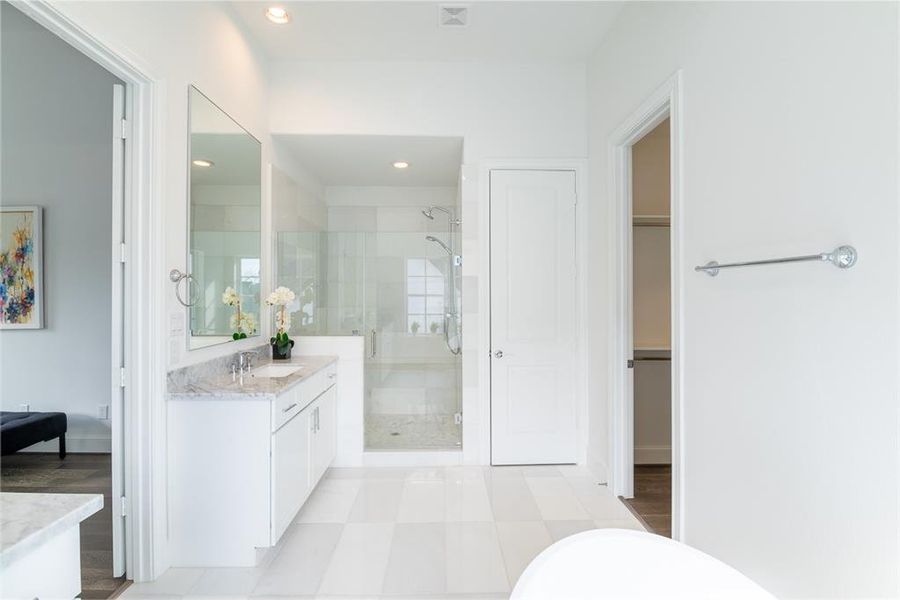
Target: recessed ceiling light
x,y
401,164
202,162
278,15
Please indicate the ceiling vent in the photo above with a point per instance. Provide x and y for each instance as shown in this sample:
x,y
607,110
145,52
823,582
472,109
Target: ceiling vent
x,y
453,16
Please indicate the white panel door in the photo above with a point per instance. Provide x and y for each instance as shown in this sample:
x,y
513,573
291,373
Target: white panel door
x,y
532,317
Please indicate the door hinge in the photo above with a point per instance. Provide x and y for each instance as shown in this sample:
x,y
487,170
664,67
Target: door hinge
x,y
122,377
123,506
457,419
123,129
630,364
123,252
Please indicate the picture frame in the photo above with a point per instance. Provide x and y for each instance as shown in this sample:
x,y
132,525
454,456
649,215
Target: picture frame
x,y
21,267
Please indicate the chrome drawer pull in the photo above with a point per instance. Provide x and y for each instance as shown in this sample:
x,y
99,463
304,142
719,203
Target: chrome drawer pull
x,y
289,407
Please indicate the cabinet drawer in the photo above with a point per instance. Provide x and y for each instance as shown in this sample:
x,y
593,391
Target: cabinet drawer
x,y
286,406
316,384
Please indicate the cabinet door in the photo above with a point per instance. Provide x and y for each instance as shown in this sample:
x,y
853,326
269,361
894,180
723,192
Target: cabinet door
x,y
290,472
326,433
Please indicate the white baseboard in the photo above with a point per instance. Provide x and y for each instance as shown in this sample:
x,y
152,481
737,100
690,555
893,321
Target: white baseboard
x,y
74,445
652,455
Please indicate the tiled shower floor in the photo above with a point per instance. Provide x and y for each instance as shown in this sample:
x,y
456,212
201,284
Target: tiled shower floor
x,y
412,432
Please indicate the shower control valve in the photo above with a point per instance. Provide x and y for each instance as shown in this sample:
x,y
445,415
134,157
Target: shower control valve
x,y
498,354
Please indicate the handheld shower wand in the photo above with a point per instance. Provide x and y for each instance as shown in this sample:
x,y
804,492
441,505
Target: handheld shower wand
x,y
431,238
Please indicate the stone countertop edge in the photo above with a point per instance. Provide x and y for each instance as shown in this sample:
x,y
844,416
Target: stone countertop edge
x,y
28,520
263,388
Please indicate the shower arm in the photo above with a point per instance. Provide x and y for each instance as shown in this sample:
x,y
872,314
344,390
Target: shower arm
x,y
451,217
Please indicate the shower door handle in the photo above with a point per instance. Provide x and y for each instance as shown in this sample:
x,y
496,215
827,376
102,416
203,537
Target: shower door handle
x,y
374,338
498,354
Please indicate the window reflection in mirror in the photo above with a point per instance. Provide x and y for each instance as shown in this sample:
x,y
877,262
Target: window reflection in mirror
x,y
224,226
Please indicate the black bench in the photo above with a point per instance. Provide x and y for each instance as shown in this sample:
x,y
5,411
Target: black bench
x,y
19,430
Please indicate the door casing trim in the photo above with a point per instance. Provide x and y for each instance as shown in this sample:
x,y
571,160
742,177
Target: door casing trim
x,y
144,412
665,101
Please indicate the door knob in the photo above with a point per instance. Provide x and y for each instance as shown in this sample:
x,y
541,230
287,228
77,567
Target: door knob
x,y
498,354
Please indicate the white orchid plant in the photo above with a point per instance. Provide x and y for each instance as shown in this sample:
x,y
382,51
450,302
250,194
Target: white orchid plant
x,y
242,323
280,299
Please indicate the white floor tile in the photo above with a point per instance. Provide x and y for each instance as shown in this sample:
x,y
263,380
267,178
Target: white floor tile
x,y
301,563
563,529
378,501
426,474
603,506
474,561
422,501
174,582
360,560
511,499
556,499
521,541
418,561
587,486
631,523
466,499
464,473
330,502
426,532
226,582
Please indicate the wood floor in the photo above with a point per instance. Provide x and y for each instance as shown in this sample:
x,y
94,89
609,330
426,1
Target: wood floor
x,y
75,474
653,497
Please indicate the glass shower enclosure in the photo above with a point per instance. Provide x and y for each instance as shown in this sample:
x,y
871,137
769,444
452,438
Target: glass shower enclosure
x,y
401,290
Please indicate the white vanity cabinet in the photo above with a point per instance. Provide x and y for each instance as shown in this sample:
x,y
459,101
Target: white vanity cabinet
x,y
323,445
242,465
291,468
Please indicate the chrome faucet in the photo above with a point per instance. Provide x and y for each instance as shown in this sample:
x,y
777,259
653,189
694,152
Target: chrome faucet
x,y
246,358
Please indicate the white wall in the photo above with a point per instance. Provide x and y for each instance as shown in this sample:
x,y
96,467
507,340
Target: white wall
x,y
178,44
789,372
57,153
502,110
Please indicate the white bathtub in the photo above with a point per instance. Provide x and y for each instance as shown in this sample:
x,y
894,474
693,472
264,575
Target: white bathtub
x,y
625,564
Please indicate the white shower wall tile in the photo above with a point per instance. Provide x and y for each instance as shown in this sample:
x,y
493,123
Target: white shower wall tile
x,y
352,218
401,219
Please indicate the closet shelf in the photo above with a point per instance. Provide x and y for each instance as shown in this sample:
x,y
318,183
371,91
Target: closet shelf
x,y
650,220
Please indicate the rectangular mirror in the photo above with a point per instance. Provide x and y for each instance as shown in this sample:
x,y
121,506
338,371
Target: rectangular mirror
x,y
223,226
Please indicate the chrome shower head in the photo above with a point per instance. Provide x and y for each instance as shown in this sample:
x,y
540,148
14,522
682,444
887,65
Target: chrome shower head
x,y
431,238
427,212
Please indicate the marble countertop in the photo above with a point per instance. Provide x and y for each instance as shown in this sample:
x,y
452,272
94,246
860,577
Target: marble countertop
x,y
29,520
264,388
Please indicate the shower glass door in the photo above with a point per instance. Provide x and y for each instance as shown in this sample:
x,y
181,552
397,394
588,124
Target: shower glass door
x,y
401,292
412,377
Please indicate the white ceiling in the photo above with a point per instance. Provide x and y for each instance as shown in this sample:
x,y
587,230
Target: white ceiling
x,y
367,160
519,31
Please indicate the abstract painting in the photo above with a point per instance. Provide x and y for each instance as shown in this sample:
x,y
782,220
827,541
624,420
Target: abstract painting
x,y
20,267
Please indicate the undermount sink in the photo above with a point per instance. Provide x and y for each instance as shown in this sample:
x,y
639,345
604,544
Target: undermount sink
x,y
274,371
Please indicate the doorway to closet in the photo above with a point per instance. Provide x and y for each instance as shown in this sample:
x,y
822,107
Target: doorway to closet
x,y
651,362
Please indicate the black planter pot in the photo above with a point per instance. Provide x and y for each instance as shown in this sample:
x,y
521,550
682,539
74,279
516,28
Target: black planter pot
x,y
283,352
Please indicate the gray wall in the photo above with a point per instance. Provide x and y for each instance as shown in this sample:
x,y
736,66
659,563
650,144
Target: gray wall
x,y
57,153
